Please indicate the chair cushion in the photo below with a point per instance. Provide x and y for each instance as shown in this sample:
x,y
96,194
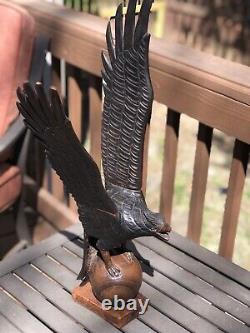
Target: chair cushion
x,y
16,42
10,185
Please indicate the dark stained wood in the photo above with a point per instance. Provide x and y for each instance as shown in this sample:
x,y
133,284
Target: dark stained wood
x,y
202,154
169,163
75,115
95,109
56,183
145,159
234,195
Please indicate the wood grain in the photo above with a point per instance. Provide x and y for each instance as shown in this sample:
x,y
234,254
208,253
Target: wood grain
x,y
202,154
169,163
233,201
75,115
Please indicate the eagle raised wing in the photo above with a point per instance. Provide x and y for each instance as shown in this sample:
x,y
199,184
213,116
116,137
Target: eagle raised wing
x,y
47,120
128,97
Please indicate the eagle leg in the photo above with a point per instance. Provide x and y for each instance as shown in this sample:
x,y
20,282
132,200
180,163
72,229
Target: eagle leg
x,y
113,270
83,275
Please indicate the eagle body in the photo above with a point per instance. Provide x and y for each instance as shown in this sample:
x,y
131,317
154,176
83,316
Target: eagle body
x,y
116,212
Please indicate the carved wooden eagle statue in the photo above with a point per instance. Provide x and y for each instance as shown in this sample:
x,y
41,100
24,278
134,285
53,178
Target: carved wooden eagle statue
x,y
118,213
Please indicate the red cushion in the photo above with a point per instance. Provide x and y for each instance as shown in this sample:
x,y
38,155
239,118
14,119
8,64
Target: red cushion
x,y
10,185
16,41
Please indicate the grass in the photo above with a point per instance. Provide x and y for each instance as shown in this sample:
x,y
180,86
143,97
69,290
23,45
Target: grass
x,y
220,160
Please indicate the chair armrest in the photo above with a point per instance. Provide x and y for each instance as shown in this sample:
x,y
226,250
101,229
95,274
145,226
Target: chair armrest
x,y
16,129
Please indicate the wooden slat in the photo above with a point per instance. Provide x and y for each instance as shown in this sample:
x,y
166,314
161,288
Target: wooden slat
x,y
19,316
64,301
202,154
197,286
233,201
169,163
197,268
95,109
220,264
56,183
75,115
6,326
39,306
175,311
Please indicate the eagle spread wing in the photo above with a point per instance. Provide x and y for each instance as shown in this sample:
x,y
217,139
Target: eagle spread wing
x,y
128,97
48,122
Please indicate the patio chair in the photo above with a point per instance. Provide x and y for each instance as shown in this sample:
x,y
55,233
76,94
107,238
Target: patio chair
x,y
22,57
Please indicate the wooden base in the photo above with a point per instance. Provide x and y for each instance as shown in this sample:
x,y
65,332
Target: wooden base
x,y
119,318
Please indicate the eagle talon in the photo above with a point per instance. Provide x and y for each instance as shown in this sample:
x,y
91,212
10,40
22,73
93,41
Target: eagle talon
x,y
114,271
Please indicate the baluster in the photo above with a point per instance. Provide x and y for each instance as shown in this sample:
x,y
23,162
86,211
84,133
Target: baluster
x,y
75,113
233,201
169,163
56,183
95,108
202,154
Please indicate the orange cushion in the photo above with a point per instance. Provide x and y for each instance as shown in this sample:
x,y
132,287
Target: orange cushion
x,y
10,185
16,41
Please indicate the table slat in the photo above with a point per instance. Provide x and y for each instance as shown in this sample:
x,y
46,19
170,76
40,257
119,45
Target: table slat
x,y
196,285
63,300
197,268
211,259
39,306
6,326
18,315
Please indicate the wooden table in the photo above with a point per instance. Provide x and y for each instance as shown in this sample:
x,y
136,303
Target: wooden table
x,y
191,290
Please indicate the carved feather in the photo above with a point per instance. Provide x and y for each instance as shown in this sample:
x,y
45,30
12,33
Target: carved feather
x,y
68,157
128,97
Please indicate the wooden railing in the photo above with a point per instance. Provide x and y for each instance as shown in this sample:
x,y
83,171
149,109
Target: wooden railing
x,y
214,92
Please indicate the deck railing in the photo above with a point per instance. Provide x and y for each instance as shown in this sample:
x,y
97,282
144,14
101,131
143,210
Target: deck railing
x,y
214,92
